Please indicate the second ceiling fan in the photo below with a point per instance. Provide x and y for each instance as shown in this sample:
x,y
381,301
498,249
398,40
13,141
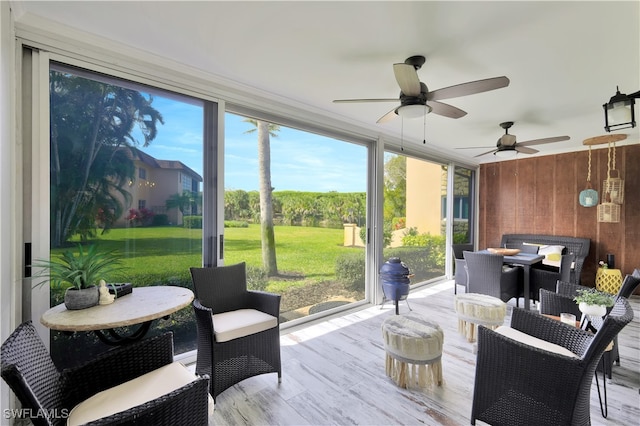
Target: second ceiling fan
x,y
415,98
508,147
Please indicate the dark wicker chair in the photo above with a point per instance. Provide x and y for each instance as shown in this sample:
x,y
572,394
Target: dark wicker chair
x,y
562,301
42,388
542,278
520,384
220,290
460,275
486,275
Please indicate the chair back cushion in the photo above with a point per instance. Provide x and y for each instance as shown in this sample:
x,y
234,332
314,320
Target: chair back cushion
x,y
527,339
29,370
138,391
242,322
221,288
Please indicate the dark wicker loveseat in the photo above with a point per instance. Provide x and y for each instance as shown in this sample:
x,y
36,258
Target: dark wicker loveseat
x,y
546,277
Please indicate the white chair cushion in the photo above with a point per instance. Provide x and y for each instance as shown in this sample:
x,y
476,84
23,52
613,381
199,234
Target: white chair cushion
x,y
243,322
133,393
521,337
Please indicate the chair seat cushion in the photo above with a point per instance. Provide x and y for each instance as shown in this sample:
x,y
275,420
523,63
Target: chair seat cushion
x,y
130,394
242,322
521,337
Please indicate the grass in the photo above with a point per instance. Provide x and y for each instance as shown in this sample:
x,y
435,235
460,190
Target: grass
x,y
161,254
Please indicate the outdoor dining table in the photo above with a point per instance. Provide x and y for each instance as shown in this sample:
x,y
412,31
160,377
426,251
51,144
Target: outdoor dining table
x,y
526,260
139,308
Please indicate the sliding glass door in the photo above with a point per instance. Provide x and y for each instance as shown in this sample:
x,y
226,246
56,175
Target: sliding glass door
x,y
311,191
126,175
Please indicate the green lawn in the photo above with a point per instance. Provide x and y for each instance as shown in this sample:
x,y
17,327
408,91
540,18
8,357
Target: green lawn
x,y
160,254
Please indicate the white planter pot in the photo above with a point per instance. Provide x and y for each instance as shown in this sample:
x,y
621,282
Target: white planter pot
x,y
593,310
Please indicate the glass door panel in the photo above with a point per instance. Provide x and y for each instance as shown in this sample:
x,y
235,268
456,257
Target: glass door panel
x,y
126,173
414,225
312,191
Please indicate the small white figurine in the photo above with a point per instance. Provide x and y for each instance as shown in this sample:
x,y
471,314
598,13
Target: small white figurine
x,y
105,296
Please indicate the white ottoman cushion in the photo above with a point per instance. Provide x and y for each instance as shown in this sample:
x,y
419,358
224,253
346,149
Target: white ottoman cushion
x,y
243,322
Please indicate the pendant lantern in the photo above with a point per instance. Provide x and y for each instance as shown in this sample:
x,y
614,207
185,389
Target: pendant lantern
x,y
589,196
613,185
608,211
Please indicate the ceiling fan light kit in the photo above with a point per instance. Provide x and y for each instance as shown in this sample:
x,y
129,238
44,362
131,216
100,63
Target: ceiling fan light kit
x,y
413,111
506,152
619,112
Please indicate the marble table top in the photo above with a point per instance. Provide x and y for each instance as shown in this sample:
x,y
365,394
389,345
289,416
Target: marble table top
x,y
142,305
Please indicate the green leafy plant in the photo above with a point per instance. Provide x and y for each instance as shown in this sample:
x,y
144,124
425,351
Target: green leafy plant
x,y
81,271
593,297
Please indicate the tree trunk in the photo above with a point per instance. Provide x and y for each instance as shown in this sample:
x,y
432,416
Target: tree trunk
x,y
266,203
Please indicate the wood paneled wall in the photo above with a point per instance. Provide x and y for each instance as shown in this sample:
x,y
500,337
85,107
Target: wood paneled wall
x,y
540,195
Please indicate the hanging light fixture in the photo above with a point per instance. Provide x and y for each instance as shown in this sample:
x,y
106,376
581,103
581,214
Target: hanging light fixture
x,y
589,196
619,111
413,111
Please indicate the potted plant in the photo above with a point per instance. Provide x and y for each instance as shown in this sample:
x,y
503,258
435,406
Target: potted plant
x,y
593,302
80,274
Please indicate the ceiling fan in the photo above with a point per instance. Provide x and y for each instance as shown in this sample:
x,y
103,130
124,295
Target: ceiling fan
x,y
415,98
508,147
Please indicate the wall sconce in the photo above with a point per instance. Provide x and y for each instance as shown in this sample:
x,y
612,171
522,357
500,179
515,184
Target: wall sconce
x,y
619,111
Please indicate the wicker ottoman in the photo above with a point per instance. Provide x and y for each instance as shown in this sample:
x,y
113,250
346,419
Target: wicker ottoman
x,y
413,348
474,309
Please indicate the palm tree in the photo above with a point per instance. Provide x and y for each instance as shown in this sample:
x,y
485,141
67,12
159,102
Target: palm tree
x,y
265,130
182,201
92,131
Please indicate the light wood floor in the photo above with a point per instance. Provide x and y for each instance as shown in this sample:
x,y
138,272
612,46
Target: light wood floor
x,y
334,374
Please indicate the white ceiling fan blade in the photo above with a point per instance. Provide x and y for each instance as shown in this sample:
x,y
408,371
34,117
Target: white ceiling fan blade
x,y
407,79
446,110
545,140
525,150
484,153
470,88
387,117
351,101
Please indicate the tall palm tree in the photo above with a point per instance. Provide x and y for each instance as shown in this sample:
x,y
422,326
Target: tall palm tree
x,y
265,131
93,127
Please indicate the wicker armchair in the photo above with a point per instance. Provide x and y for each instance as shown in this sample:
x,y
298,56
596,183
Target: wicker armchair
x,y
486,275
460,275
42,388
542,278
521,384
238,329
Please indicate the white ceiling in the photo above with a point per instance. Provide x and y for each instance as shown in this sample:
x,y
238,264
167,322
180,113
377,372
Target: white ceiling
x,y
564,59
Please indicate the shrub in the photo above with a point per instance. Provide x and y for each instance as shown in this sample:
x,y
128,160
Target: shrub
x,y
160,220
192,222
257,278
142,217
236,224
350,269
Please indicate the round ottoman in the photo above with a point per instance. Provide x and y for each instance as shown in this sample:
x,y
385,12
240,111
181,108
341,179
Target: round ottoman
x,y
413,347
474,309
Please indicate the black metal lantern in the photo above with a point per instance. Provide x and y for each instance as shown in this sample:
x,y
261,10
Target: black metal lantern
x,y
619,112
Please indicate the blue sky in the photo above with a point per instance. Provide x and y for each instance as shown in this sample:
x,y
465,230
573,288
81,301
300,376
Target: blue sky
x,y
300,161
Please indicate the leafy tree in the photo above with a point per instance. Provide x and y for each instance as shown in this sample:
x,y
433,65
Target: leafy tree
x,y
395,187
265,131
92,131
183,201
